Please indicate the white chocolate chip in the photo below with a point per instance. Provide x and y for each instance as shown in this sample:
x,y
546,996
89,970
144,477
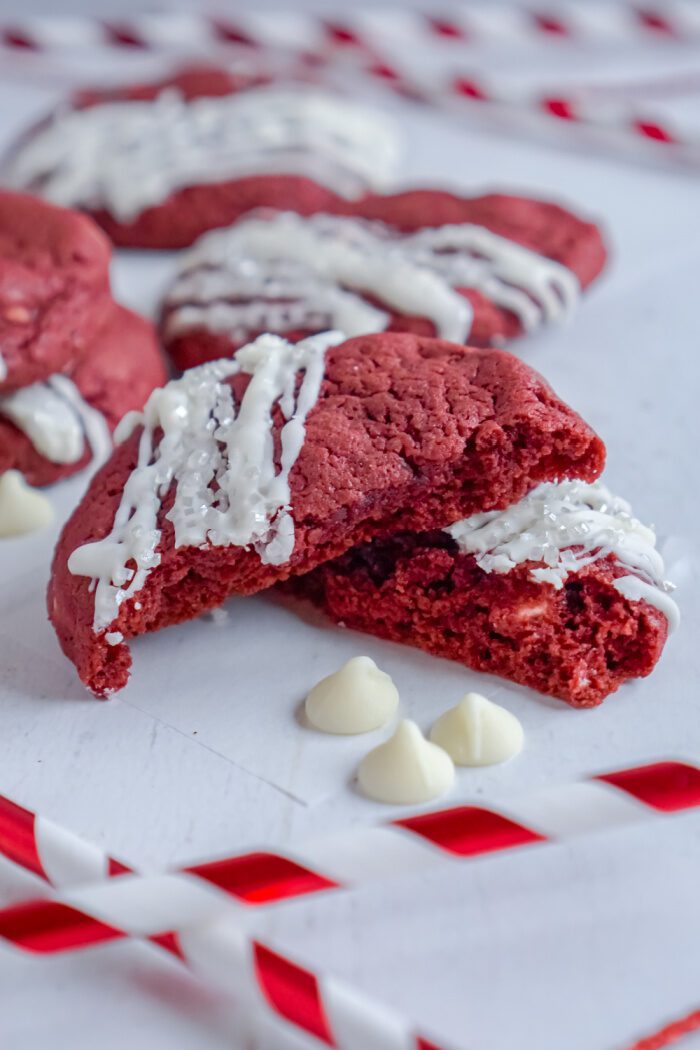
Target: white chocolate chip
x,y
356,699
17,314
22,509
406,769
478,732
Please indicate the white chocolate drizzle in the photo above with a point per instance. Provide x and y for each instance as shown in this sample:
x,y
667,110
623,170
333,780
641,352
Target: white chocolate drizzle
x,y
282,272
565,526
266,297
220,458
130,155
57,419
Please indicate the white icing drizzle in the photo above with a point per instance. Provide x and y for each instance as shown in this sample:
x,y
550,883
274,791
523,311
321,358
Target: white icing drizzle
x,y
534,288
281,297
57,419
567,525
637,590
220,458
127,156
281,272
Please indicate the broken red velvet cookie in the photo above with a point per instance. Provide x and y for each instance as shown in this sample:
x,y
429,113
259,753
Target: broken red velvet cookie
x,y
157,165
479,270
254,468
562,591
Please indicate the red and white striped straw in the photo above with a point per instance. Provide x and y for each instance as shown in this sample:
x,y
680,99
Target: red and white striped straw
x,y
208,903
614,121
362,854
369,45
460,26
221,952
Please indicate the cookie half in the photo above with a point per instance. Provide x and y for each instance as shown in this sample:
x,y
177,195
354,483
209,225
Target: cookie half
x,y
563,591
267,464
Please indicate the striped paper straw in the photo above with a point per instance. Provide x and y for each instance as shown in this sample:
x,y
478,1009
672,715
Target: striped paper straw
x,y
460,26
369,46
222,952
363,854
615,119
205,903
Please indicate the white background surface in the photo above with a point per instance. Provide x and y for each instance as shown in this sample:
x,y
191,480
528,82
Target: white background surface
x,y
578,947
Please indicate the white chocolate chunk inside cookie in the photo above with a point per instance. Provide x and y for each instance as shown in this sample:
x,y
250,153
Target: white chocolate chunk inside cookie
x,y
477,732
22,509
355,699
406,769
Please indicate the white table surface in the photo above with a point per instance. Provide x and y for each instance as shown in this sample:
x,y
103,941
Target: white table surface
x,y
579,947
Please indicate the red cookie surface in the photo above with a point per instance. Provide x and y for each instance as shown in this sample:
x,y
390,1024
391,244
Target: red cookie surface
x,y
539,226
54,284
578,643
192,211
120,369
406,433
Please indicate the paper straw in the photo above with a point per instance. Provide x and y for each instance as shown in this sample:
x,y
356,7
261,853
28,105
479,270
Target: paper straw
x,y
364,38
369,45
615,122
669,1033
463,25
206,903
364,854
222,952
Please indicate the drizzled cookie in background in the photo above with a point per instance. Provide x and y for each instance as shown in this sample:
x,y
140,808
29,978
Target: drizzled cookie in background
x,y
159,164
478,270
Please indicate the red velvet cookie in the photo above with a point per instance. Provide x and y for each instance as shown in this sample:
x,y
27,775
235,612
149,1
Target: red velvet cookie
x,y
62,422
159,164
54,288
481,270
563,592
286,456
